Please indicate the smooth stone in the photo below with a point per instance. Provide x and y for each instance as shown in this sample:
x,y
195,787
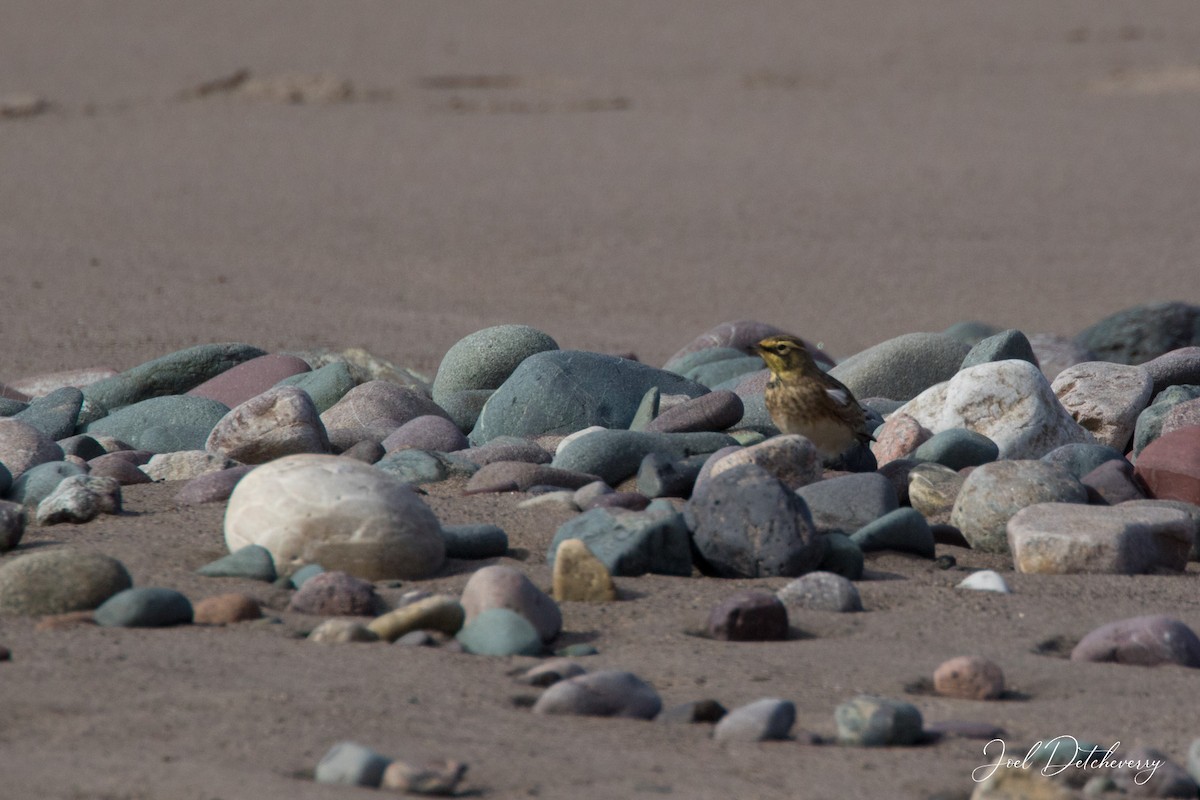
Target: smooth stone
x,y
123,472
351,764
748,616
791,458
1167,779
23,447
193,418
971,331
1191,509
325,385
689,362
629,544
79,499
848,502
1000,346
1175,368
868,721
474,541
647,409
586,494
714,411
252,562
1169,467
341,631
555,501
903,530
722,372
1010,402
367,451
985,580
144,607
437,613
615,455
504,587
579,576
1141,333
39,482
898,438
601,694
508,448
957,448
377,408
768,719
932,490
1145,641
171,374
902,367
562,391
211,487
1055,353
898,472
551,672
185,465
415,467
500,632
1112,483
691,713
842,556
82,445
739,335
821,591
55,414
58,581
279,422
993,493
226,609
658,476
632,501
755,416
1105,398
303,575
12,525
249,379
10,407
1080,459
519,476
427,432
336,594
5,480
365,366
434,778
969,678
337,512
465,407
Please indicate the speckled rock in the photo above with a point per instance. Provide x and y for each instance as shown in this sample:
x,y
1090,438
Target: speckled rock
x,y
279,422
1080,459
1105,398
58,581
428,432
79,499
519,476
55,414
1170,466
122,471
23,446
969,678
1000,346
932,490
504,587
186,465
508,448
375,409
500,632
437,613
768,719
252,561
631,543
170,374
903,367
994,492
792,459
848,502
616,455
957,448
146,424
601,694
749,616
1150,422
821,591
1141,333
1183,415
417,467
336,594
898,438
868,721
579,576
1175,368
145,607
1144,641
714,411
238,384
211,487
1060,538
226,609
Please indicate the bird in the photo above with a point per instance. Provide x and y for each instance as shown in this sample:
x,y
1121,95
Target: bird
x,y
802,398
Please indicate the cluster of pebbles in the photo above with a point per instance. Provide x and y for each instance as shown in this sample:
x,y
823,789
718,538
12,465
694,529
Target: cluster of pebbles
x,y
1073,455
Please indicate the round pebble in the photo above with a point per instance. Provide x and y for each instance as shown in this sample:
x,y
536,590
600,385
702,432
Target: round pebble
x,y
145,607
601,694
336,594
59,581
969,678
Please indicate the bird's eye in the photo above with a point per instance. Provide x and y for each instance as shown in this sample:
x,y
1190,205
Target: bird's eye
x,y
781,349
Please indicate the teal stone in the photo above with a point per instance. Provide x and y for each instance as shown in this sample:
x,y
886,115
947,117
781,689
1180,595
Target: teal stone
x,y
10,408
500,632
1150,422
1142,333
464,407
1002,346
903,367
36,483
146,607
325,385
868,721
174,438
1079,459
709,355
842,557
629,544
171,374
615,455
474,541
252,561
957,448
132,423
647,410
297,578
720,372
755,416
55,414
904,530
425,466
351,764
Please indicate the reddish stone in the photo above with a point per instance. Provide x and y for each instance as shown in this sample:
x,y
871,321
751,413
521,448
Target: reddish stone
x,y
1111,483
1145,641
969,678
121,470
1170,466
898,438
749,616
225,609
426,432
714,411
518,476
336,594
211,487
135,457
249,379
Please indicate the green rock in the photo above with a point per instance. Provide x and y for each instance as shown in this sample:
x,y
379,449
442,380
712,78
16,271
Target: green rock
x,y
957,448
58,581
425,466
1001,347
133,424
647,410
171,374
655,540
252,561
903,367
842,557
1150,422
10,408
615,455
1142,333
474,541
500,632
146,607
868,721
37,483
325,385
55,414
904,530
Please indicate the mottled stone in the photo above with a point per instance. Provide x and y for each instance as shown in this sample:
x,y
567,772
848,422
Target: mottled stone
x,y
279,422
23,446
504,587
898,438
58,581
792,459
1150,422
145,607
437,613
821,591
601,694
768,719
903,367
1183,415
994,492
211,487
1105,398
351,764
1080,459
868,721
932,490
969,678
377,408
186,465
1170,466
55,414
336,594
1141,333
1144,641
749,616
427,432
630,544
226,609
79,499
579,576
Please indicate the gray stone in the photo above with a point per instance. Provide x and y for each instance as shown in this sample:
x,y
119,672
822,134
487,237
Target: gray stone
x,y
80,498
848,502
994,492
749,616
842,557
1149,423
500,632
615,455
374,410
253,562
325,385
721,372
196,416
1105,398
1063,538
508,448
38,483
1192,510
647,409
82,445
714,411
1000,346
632,543
1111,483
746,523
303,575
740,336
658,476
55,414
145,607
279,422
957,448
520,476
336,594
791,458
504,587
6,480
1144,641
985,580
1055,353
1179,367
351,764
868,721
689,362
428,432
904,530
58,581
415,466
23,446
12,525
211,487
691,713
10,407
474,541
768,719
601,694
171,374
173,438
1141,333
821,591
903,367
584,495
1080,459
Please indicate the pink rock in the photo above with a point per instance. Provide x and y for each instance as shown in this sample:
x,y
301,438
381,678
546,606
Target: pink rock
x,y
211,487
23,446
1178,367
9,393
714,411
279,422
377,408
1112,483
226,609
250,378
1170,466
135,457
753,385
749,616
504,587
426,432
508,448
336,594
518,476
121,470
1144,641
969,678
898,438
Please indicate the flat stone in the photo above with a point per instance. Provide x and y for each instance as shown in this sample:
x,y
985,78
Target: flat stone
x,y
341,631
579,576
474,541
994,492
226,609
1002,346
1145,641
632,501
376,409
504,587
615,455
39,482
768,719
721,373
969,678
433,778
249,379
1174,368
520,476
12,525
903,530
631,543
427,432
171,374
500,632
508,448
325,385
145,607
437,613
903,367
985,580
1105,398
79,499
714,411
336,594
601,694
957,448
932,490
821,591
279,422
791,458
1170,466
351,764
55,414
252,562
848,502
868,721
211,487
898,438
23,446
186,465
143,424
1141,333
58,581
749,616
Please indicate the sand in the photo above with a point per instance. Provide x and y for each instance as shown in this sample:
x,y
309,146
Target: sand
x,y
623,176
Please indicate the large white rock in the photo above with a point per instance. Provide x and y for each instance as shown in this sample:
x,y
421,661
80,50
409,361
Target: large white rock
x,y
1061,538
1105,398
337,512
1010,402
282,421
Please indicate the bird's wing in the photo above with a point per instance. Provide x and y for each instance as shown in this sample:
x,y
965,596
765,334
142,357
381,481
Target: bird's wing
x,y
838,395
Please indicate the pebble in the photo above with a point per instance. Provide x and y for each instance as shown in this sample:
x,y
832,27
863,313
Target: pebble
x,y
957,448
842,556
714,411
474,541
551,672
558,501
903,530
325,385
601,694
185,465
848,502
1141,333
1000,346
748,616
58,581
1168,779
79,499
336,594
1112,483
162,424
615,455
415,467
658,476
898,438
500,632
249,379
1105,398
1175,368
279,422
793,459
23,447
508,448
868,721
768,719
212,487
746,523
1145,641
439,612
903,367
985,580
367,451
351,764
969,678
375,409
300,576
504,587
821,591
144,607
994,492
426,432
170,374
1183,415
120,470
579,576
226,609
629,544
337,512
253,562
55,414
1080,459
932,490
12,525
691,713
584,495
1010,402
82,445
39,482
1170,466
341,631
433,778
519,476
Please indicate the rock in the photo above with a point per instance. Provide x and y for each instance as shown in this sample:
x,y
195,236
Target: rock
x,y
932,490
500,632
615,455
505,587
903,367
1002,346
1170,466
508,448
79,499
658,476
714,411
337,512
842,557
562,391
474,541
848,502
325,385
749,616
367,451
868,721
226,609
551,672
971,331
186,465
898,438
279,422
434,778
1144,641
769,719
519,476
1111,483
82,445
55,414
300,576
146,424
556,501
631,543
696,711
1183,415
351,764
1010,402
957,448
171,374
821,591
740,335
969,678
428,432
1142,333
145,607
720,373
1137,778
341,631
1179,367
903,530
792,459
1105,398
12,525
437,613
211,487
632,501
249,379
1191,509
415,467
994,492
579,576
746,523
123,472
601,694
38,483
58,581
336,594
985,580
375,409
365,367
252,562
1080,459
23,447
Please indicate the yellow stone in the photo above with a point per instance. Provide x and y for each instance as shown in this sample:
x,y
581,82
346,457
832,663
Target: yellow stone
x,y
438,613
580,576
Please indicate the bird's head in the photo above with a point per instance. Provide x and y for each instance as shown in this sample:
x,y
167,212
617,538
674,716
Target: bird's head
x,y
786,356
